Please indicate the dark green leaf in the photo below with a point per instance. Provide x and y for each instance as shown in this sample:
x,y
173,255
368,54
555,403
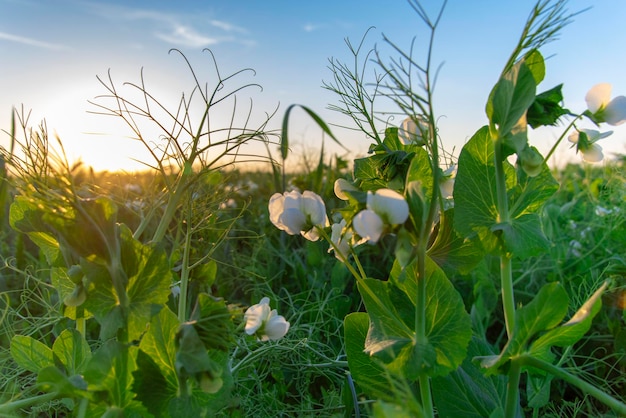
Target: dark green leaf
x,y
366,371
466,392
546,110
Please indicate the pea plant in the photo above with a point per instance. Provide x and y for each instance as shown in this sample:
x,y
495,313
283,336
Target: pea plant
x,y
136,329
415,347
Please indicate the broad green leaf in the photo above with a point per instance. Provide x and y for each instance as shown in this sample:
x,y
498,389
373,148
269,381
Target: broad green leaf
x,y
31,354
386,169
367,171
149,279
543,313
572,331
524,237
212,320
476,201
72,350
511,97
367,372
391,336
452,253
538,390
159,343
475,189
152,388
466,392
546,110
109,372
25,216
530,193
536,64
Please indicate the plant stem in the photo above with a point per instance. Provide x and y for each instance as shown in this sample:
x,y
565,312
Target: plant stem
x,y
512,390
427,402
506,271
7,408
588,388
558,141
506,276
184,274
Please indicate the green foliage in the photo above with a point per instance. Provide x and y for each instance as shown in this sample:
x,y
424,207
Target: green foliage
x,y
476,203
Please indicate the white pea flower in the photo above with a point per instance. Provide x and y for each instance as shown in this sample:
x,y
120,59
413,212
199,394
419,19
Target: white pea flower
x,y
341,238
297,213
341,186
411,132
385,208
585,140
264,322
602,108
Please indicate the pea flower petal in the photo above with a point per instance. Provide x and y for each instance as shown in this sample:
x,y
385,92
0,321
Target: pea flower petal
x,y
340,188
264,322
368,225
341,238
602,108
298,213
589,150
411,132
389,205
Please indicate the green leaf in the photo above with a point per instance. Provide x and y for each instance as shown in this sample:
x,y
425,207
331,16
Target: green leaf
x,y
159,343
544,312
524,236
72,350
466,392
530,193
109,372
391,336
475,194
149,279
572,331
419,187
367,171
536,64
366,371
51,379
546,110
152,388
452,253
385,169
475,198
284,142
511,97
31,354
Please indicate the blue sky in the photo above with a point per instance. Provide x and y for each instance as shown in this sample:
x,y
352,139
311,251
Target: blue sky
x,y
52,51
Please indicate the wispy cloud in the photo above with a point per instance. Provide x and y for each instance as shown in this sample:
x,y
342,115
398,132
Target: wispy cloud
x,y
186,36
228,27
32,42
174,28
